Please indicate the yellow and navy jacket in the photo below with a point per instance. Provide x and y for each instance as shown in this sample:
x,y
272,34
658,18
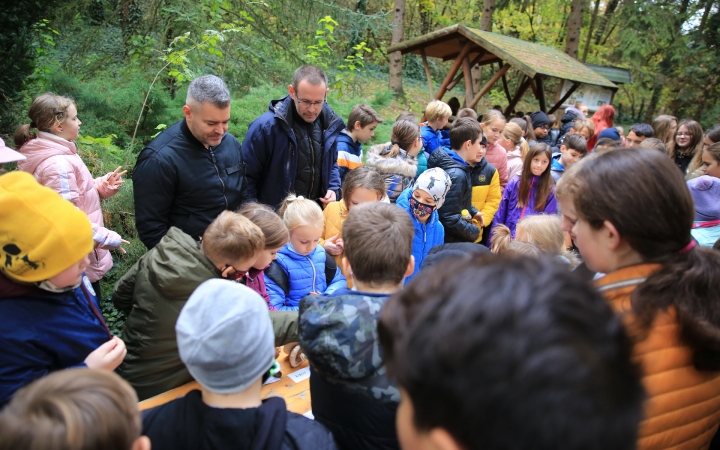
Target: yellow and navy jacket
x,y
486,193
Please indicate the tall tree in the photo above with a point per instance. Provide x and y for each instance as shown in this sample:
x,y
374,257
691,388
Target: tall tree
x,y
572,41
485,25
590,31
396,59
605,21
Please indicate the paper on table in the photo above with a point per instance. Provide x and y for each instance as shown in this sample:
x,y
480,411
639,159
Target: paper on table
x,y
299,375
271,380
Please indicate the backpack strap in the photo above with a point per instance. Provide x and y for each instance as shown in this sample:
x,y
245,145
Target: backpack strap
x,y
330,269
275,273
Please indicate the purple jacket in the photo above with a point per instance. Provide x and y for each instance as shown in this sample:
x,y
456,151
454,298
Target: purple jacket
x,y
255,280
509,214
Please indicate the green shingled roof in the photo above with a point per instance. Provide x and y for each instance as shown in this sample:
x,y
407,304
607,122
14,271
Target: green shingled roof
x,y
527,57
617,75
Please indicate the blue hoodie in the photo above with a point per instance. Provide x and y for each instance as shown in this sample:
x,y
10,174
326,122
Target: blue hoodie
x,y
426,235
556,167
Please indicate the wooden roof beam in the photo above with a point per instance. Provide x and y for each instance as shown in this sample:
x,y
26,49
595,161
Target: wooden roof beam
x,y
453,70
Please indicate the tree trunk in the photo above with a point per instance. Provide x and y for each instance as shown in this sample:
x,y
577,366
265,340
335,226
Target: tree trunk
x,y
425,18
485,25
572,42
395,84
607,16
590,30
706,13
487,13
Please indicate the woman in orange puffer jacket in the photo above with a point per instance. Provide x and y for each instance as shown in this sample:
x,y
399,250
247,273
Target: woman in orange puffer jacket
x,y
630,215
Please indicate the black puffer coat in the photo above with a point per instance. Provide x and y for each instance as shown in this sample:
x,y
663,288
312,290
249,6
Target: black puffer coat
x,y
459,197
568,120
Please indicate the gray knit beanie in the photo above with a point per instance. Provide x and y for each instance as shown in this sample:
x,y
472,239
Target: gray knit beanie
x,y
225,336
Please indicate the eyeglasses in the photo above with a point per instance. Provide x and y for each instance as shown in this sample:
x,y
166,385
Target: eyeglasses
x,y
544,127
682,133
309,104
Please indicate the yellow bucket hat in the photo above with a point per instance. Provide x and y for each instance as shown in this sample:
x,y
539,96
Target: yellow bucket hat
x,y
41,234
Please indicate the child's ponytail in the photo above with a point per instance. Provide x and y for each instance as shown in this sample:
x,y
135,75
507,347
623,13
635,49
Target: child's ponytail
x,y
297,211
500,239
23,134
646,199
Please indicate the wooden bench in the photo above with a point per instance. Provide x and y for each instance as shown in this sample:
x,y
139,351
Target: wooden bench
x,y
296,395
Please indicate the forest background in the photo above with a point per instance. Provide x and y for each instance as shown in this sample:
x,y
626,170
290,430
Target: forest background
x,y
127,63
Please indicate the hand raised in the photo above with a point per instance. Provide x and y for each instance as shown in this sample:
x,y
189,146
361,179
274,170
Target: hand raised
x,y
115,180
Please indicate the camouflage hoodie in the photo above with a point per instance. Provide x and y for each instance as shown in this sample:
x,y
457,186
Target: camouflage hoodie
x,y
338,333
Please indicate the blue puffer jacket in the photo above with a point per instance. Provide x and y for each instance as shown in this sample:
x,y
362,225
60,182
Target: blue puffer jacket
x,y
305,274
271,156
43,332
426,236
431,138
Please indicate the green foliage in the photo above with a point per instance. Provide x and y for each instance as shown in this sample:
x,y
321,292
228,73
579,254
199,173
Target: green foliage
x,y
109,106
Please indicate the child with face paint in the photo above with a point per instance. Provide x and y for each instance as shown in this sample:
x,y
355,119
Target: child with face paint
x,y
421,201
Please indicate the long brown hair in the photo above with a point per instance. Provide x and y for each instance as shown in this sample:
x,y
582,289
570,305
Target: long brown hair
x,y
696,144
662,128
645,197
545,184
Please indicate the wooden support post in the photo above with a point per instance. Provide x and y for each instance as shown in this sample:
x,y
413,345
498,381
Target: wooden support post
x,y
468,81
428,75
453,70
461,75
541,92
505,84
455,81
518,95
489,85
567,95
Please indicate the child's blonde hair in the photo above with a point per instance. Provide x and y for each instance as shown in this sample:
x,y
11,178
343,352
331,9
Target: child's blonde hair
x,y
78,409
503,244
513,132
272,226
581,124
437,109
297,211
232,237
45,111
491,115
545,232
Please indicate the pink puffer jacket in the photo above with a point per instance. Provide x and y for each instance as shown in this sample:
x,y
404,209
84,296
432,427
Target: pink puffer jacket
x,y
54,162
497,156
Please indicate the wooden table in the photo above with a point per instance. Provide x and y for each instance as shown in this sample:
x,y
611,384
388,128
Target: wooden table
x,y
296,395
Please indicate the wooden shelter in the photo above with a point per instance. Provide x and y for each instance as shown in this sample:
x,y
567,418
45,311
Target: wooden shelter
x,y
468,46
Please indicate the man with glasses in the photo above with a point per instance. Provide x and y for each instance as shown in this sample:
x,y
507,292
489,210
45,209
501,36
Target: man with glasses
x,y
292,147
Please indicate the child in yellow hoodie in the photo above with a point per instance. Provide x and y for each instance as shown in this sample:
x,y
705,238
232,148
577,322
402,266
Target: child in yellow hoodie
x,y
486,193
361,185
